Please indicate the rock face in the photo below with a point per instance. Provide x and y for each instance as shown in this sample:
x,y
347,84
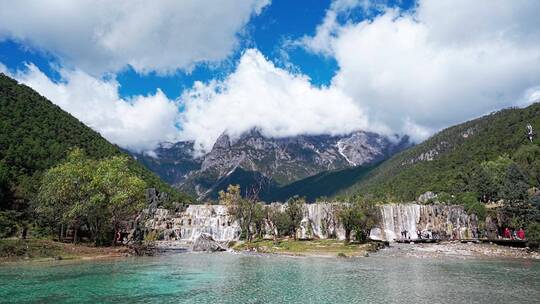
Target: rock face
x,y
188,225
205,242
253,158
426,197
320,221
171,161
434,221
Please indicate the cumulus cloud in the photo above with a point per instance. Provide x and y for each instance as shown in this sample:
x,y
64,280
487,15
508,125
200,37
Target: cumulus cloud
x,y
329,27
258,94
137,124
104,36
399,72
420,71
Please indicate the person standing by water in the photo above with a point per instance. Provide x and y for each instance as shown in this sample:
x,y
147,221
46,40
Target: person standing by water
x,y
521,234
507,234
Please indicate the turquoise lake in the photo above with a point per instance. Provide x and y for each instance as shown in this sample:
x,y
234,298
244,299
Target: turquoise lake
x,y
243,278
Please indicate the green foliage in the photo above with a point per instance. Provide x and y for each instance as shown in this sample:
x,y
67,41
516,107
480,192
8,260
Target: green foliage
x,y
278,221
95,194
496,169
470,202
243,210
444,197
528,159
358,217
491,142
324,184
36,135
514,186
533,235
258,220
295,211
151,236
8,223
483,182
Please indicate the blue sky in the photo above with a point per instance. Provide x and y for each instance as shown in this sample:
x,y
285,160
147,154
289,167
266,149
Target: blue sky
x,y
151,72
281,21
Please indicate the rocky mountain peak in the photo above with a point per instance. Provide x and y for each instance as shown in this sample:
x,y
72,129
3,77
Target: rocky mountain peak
x,y
222,142
276,160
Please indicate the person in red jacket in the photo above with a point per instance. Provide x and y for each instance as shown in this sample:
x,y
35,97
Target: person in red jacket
x,y
507,234
521,234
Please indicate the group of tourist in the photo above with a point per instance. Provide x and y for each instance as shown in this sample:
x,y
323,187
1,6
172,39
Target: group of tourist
x,y
513,234
427,234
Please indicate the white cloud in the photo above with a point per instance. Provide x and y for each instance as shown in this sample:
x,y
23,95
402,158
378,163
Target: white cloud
x,y
446,62
138,124
258,94
104,36
404,72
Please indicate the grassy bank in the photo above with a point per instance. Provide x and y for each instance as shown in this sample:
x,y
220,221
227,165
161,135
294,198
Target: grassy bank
x,y
333,248
13,250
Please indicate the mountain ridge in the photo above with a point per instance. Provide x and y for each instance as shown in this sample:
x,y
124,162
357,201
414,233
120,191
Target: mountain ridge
x,y
446,162
37,134
273,162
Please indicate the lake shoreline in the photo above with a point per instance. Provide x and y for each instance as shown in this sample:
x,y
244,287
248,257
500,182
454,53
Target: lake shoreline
x,y
309,249
446,249
14,251
456,249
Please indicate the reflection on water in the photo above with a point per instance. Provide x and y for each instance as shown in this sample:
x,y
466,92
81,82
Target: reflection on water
x,y
239,278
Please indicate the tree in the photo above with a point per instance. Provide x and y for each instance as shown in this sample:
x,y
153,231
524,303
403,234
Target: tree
x,y
117,192
357,217
533,235
65,192
259,220
328,221
242,210
295,212
482,183
96,194
277,220
470,202
514,186
528,159
4,186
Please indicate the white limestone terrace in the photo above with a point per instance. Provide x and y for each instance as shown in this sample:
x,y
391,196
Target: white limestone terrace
x,y
441,221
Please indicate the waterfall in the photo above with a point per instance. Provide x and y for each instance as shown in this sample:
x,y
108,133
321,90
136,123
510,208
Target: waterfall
x,y
320,222
433,221
197,219
395,219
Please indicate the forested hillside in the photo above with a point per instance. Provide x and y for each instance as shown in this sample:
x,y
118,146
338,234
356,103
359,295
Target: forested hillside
x,y
475,156
36,135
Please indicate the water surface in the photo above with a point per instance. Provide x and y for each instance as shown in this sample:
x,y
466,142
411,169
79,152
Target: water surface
x,y
241,278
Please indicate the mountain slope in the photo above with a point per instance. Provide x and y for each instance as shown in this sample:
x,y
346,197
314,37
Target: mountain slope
x,y
445,161
324,184
255,160
35,135
171,161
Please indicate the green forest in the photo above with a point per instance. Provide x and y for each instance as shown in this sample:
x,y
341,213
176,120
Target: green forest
x,y
35,136
454,159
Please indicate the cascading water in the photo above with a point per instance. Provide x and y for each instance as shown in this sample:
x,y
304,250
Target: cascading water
x,y
320,221
397,219
197,219
433,221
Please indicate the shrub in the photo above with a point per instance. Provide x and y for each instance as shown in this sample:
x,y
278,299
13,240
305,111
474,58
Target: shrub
x,y
533,235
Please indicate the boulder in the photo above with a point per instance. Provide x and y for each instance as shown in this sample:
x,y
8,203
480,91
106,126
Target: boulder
x,y
427,197
205,242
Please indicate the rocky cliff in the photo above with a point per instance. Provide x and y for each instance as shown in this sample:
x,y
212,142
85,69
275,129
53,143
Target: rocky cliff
x,y
267,163
434,221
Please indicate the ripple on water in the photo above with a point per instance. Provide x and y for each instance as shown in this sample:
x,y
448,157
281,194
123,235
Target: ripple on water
x,y
239,278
